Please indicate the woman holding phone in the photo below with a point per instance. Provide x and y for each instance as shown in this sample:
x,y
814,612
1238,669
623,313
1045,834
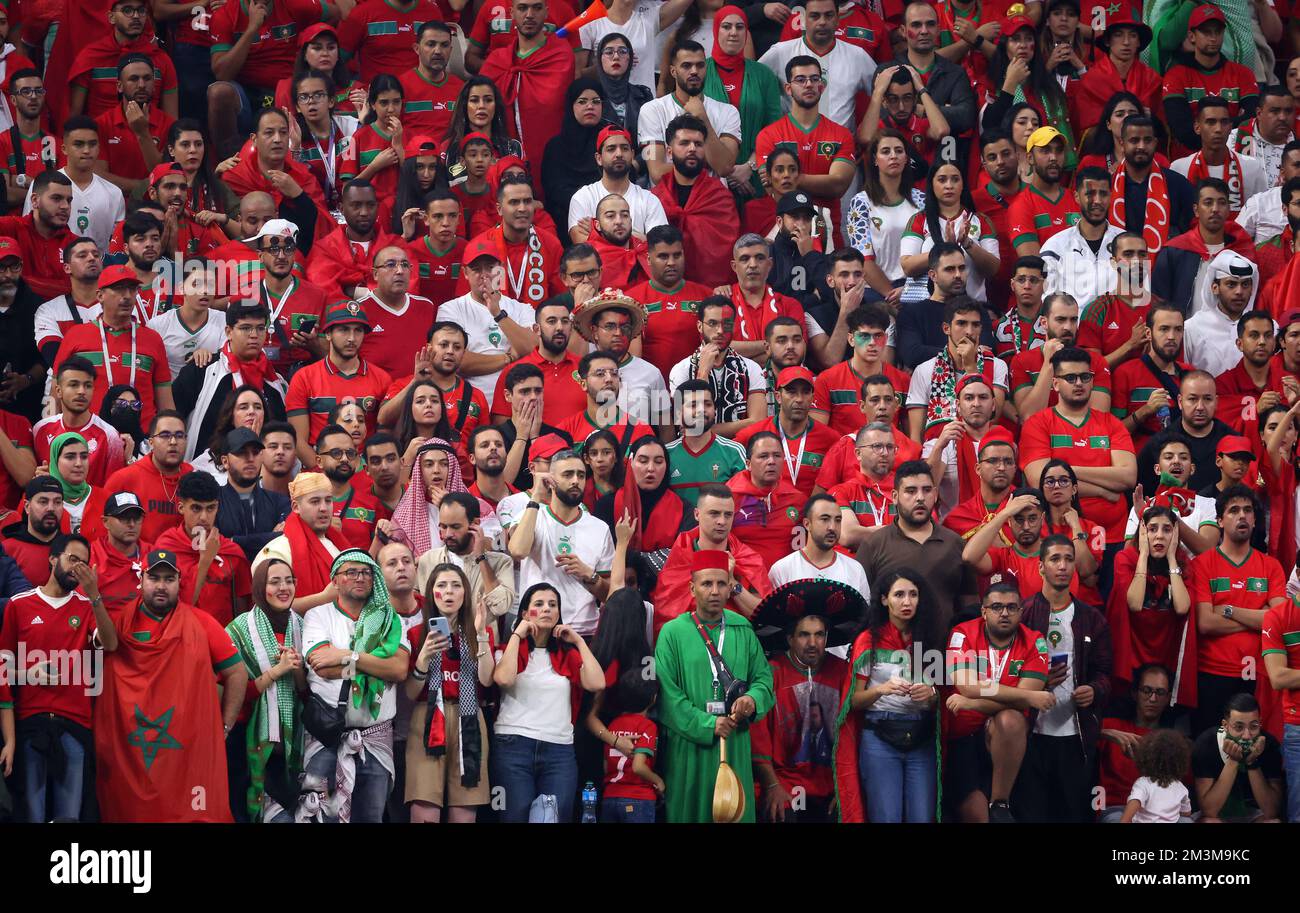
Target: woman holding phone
x,y
447,744
543,671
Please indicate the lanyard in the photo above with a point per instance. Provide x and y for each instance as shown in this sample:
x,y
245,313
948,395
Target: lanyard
x,y
328,161
108,367
715,652
142,311
278,308
998,667
878,515
793,466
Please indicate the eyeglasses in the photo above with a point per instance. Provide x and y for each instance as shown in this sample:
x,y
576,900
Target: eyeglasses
x,y
806,80
882,448
1153,692
169,437
12,265
133,12
31,93
604,373
394,264
862,337
592,274
1057,482
616,52
256,329
307,97
1083,377
287,247
1027,280
1003,608
133,404
340,454
357,573
615,327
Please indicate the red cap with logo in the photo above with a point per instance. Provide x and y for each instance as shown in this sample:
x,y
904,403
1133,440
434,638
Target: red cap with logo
x,y
793,374
9,248
116,275
480,249
546,446
1206,12
309,33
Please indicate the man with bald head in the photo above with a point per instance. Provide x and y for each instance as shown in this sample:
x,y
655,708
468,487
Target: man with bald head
x,y
616,157
399,321
255,210
622,251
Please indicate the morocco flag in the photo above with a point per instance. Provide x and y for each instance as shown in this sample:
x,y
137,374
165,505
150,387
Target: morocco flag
x,y
159,743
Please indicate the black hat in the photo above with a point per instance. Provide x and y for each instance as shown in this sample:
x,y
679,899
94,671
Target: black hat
x,y
239,438
794,201
161,556
42,484
841,605
122,503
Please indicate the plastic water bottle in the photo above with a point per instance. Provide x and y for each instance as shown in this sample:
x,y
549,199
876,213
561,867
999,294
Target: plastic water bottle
x,y
589,803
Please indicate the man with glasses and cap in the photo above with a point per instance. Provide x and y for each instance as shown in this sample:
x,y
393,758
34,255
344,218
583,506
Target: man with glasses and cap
x,y
1044,207
173,690
610,321
117,554
799,267
121,351
342,376
248,514
294,306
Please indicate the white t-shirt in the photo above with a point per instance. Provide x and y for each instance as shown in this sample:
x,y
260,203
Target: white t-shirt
x,y
643,393
586,537
1073,268
878,237
538,705
910,244
949,487
641,31
1262,217
181,342
681,373
1060,639
52,312
644,207
1202,514
511,508
1253,180
846,69
1160,804
796,566
485,335
96,210
652,122
328,624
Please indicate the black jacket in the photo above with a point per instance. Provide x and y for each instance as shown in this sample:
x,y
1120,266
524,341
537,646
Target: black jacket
x,y
269,509
801,276
18,349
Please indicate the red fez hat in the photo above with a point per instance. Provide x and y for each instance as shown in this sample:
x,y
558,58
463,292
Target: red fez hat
x,y
711,559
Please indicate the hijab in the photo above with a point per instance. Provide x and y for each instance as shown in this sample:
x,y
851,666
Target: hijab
x,y
73,494
574,148
623,98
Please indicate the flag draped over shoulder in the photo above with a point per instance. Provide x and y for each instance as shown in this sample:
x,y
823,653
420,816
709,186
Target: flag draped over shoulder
x,y
159,742
533,88
672,594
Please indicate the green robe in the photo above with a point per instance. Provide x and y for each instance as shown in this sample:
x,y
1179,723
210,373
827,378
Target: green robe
x,y
685,688
760,101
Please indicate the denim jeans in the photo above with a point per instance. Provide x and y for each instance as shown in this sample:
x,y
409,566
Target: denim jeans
x,y
47,797
900,786
1291,763
194,74
526,768
369,793
627,811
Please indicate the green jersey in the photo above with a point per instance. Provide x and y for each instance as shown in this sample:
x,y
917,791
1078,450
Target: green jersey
x,y
718,462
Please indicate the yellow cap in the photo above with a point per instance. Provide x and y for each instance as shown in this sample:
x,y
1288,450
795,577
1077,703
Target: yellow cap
x,y
1042,137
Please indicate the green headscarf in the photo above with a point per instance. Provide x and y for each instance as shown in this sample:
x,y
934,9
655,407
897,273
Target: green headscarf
x,y
378,631
72,494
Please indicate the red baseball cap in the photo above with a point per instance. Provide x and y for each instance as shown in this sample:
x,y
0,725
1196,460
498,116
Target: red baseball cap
x,y
1015,22
9,248
1290,317
118,275
611,130
311,31
995,435
1125,20
546,446
1233,444
163,169
422,144
792,374
966,380
1206,12
474,136
480,248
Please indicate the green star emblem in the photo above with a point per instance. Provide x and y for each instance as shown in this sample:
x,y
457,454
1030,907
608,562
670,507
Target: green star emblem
x,y
149,748
1113,9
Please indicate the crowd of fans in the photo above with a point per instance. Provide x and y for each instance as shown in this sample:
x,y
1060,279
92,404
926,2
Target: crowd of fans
x,y
352,471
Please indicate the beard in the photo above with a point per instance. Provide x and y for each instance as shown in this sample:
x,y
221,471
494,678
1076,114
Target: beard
x,y
556,343
340,473
568,497
615,239
492,471
617,169
690,170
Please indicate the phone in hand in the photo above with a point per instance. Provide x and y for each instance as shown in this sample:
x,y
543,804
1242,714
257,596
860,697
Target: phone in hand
x,y
1060,659
307,327
439,624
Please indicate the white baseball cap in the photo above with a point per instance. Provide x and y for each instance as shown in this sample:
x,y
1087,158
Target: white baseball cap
x,y
275,228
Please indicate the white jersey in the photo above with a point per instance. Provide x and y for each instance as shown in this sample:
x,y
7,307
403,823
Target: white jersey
x,y
485,335
586,537
644,207
846,70
655,116
181,341
96,209
796,566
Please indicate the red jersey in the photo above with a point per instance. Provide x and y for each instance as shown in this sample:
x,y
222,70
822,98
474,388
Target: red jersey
x,y
118,146
766,518
465,405
621,782
1106,323
301,303
1117,771
803,456
395,336
438,271
1281,634
494,28
1238,393
580,426
229,577
222,651
1229,80
32,152
471,204
95,70
381,34
1023,570
969,648
841,461
532,267
136,356
271,56
1034,216
838,391
427,106
1252,584
996,206
317,388
358,512
1133,383
870,501
157,494
564,395
818,147
19,432
971,515
751,322
1026,367
107,451
42,257
672,329
797,743
365,144
1049,434
53,632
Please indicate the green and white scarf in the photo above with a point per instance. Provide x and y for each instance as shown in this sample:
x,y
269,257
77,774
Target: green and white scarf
x,y
378,632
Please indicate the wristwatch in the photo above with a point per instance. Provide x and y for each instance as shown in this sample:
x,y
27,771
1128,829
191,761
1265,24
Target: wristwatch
x,y
591,581
736,589
1227,611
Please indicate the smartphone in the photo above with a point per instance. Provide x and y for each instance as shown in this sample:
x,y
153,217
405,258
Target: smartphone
x,y
1060,659
307,326
439,624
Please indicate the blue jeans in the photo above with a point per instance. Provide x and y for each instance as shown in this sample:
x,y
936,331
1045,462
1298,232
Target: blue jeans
x,y
627,811
899,785
47,797
526,768
1291,763
369,793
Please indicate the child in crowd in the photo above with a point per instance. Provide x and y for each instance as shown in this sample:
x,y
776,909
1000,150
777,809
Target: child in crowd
x,y
1159,796
631,785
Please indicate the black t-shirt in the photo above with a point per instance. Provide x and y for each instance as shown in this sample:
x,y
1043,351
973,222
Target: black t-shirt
x,y
1202,448
1207,764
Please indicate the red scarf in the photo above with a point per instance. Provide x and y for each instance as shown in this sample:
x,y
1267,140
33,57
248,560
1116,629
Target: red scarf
x,y
660,528
1155,223
619,264
247,176
731,64
750,321
709,214
968,480
1089,95
1282,293
311,560
257,373
1198,171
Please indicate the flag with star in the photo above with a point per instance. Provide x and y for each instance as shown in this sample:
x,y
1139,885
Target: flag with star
x,y
159,741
